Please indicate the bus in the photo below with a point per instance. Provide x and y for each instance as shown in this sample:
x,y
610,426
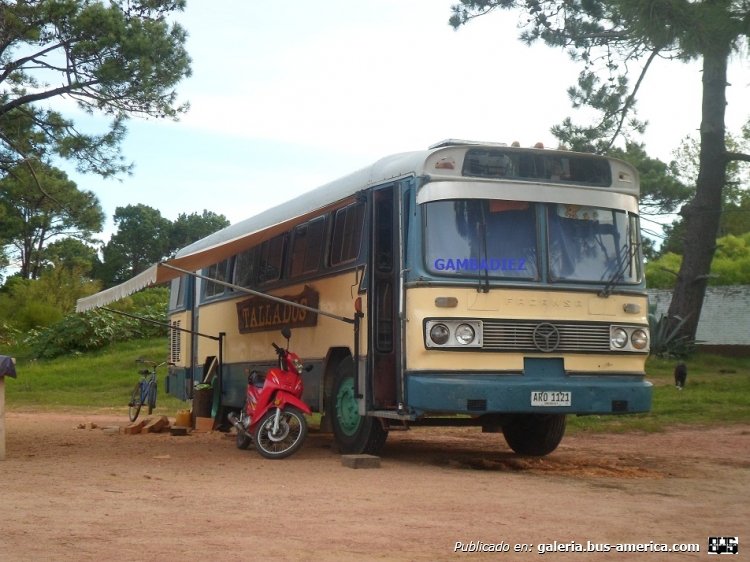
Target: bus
x,y
466,284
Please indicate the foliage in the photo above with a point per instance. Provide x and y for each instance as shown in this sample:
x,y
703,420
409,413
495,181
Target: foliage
x,y
661,273
9,334
142,238
666,339
730,266
189,228
95,329
71,254
39,206
120,58
26,304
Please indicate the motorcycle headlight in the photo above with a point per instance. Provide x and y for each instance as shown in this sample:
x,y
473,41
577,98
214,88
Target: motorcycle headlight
x,y
298,365
465,334
618,338
439,334
639,339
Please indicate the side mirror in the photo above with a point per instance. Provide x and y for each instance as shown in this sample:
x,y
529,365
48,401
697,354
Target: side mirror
x,y
286,332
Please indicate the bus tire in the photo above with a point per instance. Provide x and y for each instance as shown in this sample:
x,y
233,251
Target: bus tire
x,y
534,435
354,434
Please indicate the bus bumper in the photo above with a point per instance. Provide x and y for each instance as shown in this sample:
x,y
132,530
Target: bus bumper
x,y
482,393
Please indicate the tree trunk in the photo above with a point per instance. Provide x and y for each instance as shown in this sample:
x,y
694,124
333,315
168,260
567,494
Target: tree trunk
x,y
702,214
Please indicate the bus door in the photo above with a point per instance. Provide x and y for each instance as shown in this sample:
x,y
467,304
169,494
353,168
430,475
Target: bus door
x,y
384,331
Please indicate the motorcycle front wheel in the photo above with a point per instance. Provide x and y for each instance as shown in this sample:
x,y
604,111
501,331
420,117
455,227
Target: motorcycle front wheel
x,y
286,439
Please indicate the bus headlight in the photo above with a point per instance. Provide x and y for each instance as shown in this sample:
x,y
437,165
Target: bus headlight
x,y
618,337
639,339
440,334
465,334
450,333
628,338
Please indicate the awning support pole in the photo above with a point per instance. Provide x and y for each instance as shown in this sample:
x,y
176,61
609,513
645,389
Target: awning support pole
x,y
261,295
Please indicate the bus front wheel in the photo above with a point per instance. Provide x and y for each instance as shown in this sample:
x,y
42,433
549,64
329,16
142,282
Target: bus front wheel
x,y
534,434
355,434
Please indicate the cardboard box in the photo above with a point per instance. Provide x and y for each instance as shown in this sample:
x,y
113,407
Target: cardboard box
x,y
204,424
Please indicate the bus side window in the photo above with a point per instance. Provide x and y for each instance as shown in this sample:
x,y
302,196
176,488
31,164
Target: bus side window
x,y
307,247
347,233
217,271
246,268
271,259
177,293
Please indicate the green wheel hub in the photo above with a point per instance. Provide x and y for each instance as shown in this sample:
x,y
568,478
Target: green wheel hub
x,y
347,411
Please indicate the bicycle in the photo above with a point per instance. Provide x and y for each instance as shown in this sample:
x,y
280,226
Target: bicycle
x,y
145,389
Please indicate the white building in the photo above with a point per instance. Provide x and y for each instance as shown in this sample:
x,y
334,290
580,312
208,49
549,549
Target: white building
x,y
724,324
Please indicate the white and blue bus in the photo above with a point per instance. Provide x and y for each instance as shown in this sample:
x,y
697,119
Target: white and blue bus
x,y
498,286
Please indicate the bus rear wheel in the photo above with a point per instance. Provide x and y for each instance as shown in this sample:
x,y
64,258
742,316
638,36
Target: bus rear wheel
x,y
355,434
534,435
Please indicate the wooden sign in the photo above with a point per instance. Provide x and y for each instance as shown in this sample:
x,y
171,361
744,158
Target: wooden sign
x,y
257,314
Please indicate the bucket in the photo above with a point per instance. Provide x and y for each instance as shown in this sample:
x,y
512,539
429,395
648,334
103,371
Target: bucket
x,y
183,418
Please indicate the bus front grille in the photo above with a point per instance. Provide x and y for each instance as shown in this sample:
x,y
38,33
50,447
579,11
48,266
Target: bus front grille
x,y
546,337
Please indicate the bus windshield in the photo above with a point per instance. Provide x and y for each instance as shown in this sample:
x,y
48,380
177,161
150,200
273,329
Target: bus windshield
x,y
472,237
499,239
592,244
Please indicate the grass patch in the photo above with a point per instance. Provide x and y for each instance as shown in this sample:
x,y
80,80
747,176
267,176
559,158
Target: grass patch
x,y
98,380
716,393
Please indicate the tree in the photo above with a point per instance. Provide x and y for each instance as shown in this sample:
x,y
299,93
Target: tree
x,y
142,238
615,36
119,58
34,218
70,253
189,228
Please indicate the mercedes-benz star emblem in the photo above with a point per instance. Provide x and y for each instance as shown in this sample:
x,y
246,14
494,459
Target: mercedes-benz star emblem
x,y
546,337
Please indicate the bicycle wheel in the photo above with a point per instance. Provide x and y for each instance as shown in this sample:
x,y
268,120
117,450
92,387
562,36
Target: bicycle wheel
x,y
151,397
136,401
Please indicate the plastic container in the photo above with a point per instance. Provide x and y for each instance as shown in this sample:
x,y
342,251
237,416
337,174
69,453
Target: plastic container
x,y
183,418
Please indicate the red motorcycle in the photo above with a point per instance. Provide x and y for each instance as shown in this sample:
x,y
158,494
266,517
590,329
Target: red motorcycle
x,y
273,417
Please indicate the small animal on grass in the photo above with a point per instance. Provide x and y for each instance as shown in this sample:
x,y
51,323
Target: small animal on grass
x,y
680,375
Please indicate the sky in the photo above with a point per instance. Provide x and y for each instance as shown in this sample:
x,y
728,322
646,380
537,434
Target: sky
x,y
286,96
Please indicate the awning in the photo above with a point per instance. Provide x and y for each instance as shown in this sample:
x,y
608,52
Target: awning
x,y
206,252
153,275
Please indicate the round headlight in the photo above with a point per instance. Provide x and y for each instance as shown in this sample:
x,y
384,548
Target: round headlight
x,y
439,334
619,338
639,339
465,334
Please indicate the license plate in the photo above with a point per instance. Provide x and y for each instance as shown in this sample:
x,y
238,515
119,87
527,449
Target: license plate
x,y
550,398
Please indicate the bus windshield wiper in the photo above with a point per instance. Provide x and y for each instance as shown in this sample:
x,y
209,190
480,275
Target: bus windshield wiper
x,y
625,261
484,284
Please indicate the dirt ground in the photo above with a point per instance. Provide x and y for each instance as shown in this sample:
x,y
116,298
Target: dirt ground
x,y
83,494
